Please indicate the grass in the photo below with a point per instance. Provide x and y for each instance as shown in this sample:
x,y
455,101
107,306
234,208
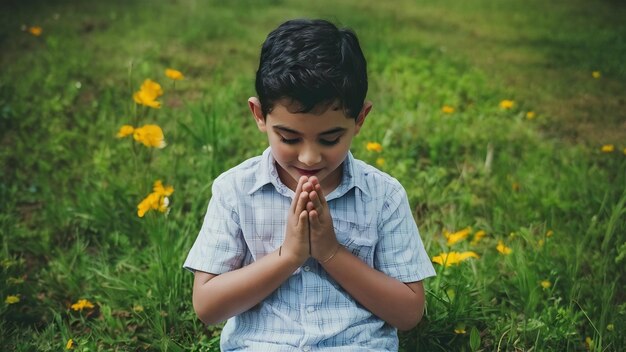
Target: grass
x,y
542,186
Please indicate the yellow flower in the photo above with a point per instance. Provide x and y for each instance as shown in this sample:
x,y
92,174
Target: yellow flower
x,y
541,242
477,237
530,115
624,151
503,249
456,236
150,136
452,258
549,233
148,93
35,30
589,343
596,74
380,162
608,148
506,104
138,308
546,284
125,130
174,74
460,329
446,109
162,190
374,147
12,299
157,200
82,304
515,186
610,327
69,345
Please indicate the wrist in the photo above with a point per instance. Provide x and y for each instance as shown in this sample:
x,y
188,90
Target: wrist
x,y
331,255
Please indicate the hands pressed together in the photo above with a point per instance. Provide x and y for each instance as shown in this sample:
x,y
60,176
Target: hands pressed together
x,y
310,231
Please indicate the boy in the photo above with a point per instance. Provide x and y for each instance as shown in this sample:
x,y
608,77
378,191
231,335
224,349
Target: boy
x,y
304,247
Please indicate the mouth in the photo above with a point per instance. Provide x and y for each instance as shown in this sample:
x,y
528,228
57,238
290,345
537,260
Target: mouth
x,y
307,172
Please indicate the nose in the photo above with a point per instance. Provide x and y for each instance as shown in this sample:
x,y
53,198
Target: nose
x,y
309,156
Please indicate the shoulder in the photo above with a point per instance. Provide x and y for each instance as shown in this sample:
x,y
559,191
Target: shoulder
x,y
375,182
238,179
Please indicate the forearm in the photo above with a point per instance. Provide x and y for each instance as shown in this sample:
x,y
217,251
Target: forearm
x,y
391,300
217,298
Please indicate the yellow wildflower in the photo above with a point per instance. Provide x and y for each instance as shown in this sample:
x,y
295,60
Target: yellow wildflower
x,y
506,104
157,200
69,345
589,343
503,249
374,147
82,304
541,242
549,233
596,74
35,30
162,190
174,74
446,109
624,151
125,130
138,308
380,162
150,136
608,148
456,236
546,284
478,236
460,329
12,299
515,186
610,327
148,93
452,258
530,115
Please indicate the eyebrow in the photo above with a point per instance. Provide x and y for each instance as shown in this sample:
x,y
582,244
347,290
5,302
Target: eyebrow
x,y
289,130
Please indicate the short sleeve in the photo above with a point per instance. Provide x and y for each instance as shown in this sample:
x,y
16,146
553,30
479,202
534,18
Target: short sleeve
x,y
219,247
400,252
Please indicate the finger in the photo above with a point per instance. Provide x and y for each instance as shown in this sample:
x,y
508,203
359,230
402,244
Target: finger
x,y
314,218
310,206
320,194
303,222
308,186
301,181
302,202
315,201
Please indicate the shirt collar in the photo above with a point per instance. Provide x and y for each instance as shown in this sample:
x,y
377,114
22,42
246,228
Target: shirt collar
x,y
267,173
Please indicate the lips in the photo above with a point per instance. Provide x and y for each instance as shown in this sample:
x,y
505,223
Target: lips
x,y
307,172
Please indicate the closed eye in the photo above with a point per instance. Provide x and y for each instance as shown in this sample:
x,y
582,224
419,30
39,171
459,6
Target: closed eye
x,y
289,141
326,142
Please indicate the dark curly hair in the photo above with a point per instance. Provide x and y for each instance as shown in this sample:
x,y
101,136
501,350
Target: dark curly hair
x,y
313,64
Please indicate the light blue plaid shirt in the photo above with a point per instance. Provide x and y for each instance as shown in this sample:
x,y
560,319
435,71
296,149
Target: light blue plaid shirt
x,y
246,220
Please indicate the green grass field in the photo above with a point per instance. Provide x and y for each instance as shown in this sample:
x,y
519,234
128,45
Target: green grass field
x,y
504,120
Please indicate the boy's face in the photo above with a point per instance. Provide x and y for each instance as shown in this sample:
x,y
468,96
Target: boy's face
x,y
309,144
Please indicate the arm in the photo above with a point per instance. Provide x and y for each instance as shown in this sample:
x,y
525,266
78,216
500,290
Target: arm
x,y
399,304
219,297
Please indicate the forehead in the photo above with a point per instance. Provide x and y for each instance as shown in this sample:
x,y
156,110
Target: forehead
x,y
311,122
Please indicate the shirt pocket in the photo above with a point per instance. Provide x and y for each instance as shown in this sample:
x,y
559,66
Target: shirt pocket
x,y
356,238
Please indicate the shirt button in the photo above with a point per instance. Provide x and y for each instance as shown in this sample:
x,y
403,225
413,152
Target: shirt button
x,y
310,309
307,268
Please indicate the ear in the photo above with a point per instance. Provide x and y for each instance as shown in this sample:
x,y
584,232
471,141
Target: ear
x,y
367,107
255,106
